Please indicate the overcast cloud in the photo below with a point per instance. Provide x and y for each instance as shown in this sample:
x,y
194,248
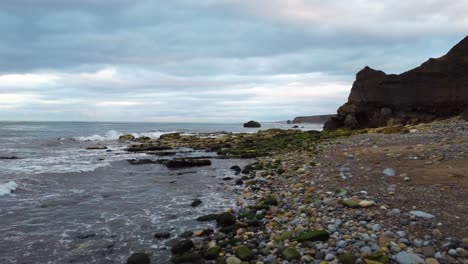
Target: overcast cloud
x,y
207,60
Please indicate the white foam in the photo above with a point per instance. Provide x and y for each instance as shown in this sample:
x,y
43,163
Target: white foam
x,y
114,135
7,188
110,135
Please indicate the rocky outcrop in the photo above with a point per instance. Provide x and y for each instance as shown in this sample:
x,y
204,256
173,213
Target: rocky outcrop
x,y
436,89
252,124
311,119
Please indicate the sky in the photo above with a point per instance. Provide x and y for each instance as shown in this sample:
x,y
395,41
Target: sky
x,y
207,60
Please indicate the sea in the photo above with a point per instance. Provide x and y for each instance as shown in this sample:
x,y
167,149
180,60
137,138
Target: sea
x,y
61,203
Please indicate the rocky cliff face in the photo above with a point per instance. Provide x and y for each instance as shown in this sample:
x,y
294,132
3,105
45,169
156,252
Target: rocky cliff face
x,y
436,89
311,119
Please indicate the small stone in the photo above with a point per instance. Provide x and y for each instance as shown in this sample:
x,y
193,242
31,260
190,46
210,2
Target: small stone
x,y
422,214
212,252
317,235
233,260
394,212
408,258
329,257
366,250
376,228
389,172
452,252
365,203
432,261
417,243
436,233
428,251
182,246
347,258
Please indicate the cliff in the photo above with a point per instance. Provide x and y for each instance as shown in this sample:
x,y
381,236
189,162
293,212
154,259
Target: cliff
x,y
436,89
312,119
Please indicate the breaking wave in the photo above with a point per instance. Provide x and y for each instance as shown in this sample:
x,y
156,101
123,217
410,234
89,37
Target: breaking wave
x,y
114,135
7,188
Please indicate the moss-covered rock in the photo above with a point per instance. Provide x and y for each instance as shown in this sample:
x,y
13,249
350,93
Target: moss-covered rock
x,y
187,258
378,257
316,235
347,258
243,253
212,252
283,236
291,253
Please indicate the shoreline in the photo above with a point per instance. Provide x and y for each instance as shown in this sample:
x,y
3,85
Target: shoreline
x,y
338,187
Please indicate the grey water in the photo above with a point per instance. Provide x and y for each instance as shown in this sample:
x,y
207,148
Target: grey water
x,y
61,203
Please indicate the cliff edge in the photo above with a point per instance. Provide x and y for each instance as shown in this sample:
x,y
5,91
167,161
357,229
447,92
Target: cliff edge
x,y
436,89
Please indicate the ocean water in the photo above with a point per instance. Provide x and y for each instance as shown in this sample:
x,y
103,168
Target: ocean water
x,y
61,203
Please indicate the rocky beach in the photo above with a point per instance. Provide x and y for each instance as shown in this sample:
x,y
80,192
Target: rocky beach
x,y
389,195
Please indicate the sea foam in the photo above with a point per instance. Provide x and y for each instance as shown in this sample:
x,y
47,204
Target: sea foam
x,y
114,135
7,188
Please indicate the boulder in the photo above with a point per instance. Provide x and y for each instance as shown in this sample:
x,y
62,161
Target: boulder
x,y
138,258
182,246
252,124
243,253
196,202
126,138
226,219
436,89
162,235
208,218
236,168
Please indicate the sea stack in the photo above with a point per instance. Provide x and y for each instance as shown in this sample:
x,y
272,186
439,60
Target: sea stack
x,y
252,124
436,89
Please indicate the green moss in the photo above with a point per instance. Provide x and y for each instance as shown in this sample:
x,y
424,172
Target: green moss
x,y
316,235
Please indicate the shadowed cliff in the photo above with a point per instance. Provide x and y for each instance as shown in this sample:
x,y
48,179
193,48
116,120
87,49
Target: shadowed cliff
x,y
436,89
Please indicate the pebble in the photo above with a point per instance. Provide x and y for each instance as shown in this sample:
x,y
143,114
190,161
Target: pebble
x,y
422,214
366,250
452,252
408,258
233,260
389,172
329,257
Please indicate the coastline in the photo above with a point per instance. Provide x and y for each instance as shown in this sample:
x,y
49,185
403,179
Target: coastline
x,y
333,203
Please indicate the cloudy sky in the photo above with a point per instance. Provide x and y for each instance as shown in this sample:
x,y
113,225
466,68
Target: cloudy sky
x,y
207,60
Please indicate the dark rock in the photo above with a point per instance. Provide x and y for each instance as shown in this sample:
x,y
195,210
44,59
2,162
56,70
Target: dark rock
x,y
239,182
196,203
142,139
182,246
192,258
186,234
288,122
247,169
162,235
96,147
227,178
147,147
87,235
138,258
226,219
142,161
317,235
236,168
8,158
170,136
207,218
212,252
185,163
252,124
436,89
